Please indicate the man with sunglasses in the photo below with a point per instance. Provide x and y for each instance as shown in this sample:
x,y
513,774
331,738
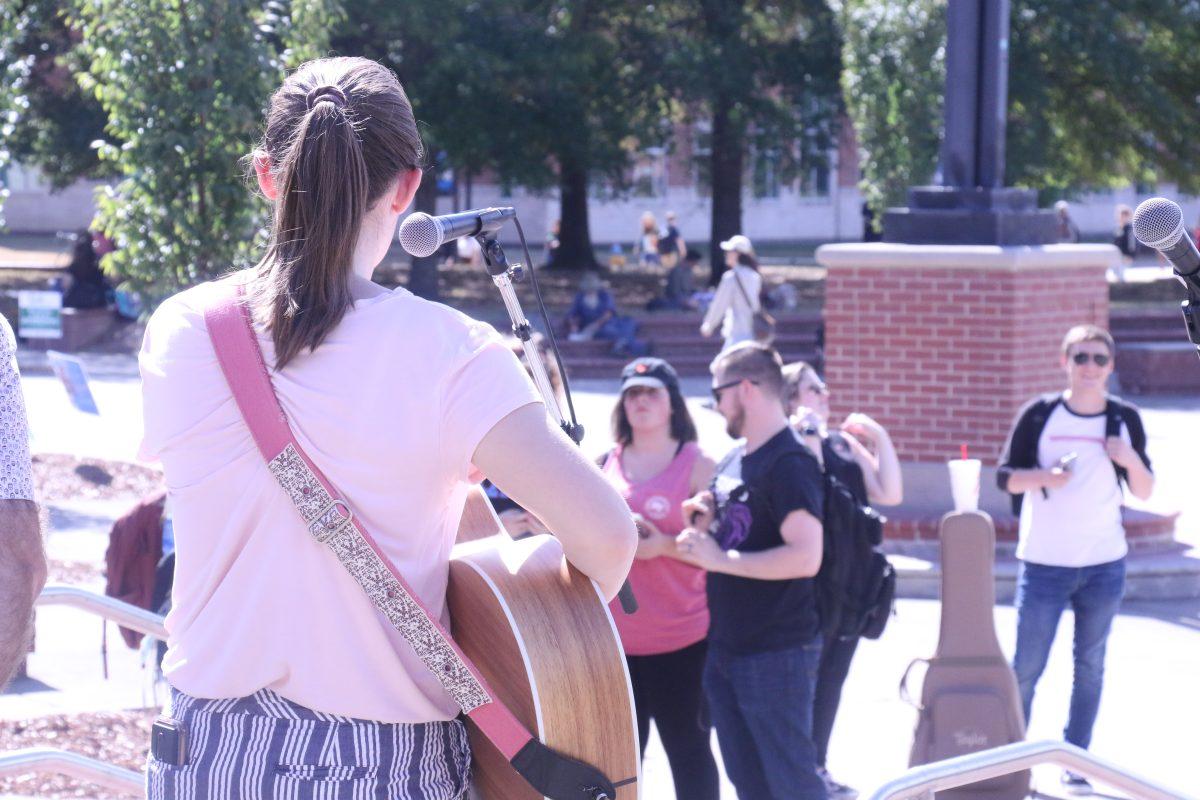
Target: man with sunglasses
x,y
1065,462
758,534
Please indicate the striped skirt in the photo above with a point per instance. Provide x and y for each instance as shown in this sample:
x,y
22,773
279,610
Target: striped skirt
x,y
264,747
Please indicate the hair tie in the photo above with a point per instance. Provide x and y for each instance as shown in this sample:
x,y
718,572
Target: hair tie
x,y
323,94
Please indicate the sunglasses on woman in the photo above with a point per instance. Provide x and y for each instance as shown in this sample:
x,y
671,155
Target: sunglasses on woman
x,y
1100,359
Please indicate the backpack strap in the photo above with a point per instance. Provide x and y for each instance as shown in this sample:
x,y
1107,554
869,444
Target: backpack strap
x,y
330,519
1112,427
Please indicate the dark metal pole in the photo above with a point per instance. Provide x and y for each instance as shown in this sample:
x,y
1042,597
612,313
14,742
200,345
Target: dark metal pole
x,y
958,156
993,93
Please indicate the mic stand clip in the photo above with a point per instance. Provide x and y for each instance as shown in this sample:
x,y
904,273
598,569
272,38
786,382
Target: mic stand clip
x,y
504,276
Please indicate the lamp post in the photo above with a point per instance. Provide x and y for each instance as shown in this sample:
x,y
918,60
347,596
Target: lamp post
x,y
971,205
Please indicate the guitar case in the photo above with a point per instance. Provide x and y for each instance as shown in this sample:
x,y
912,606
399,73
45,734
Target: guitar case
x,y
969,698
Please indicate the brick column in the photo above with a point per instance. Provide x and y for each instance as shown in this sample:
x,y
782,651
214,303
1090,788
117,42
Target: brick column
x,y
942,344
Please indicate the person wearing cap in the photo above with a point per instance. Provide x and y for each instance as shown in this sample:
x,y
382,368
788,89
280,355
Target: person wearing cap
x,y
737,297
656,465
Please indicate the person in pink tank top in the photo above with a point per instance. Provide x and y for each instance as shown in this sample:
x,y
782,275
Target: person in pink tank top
x,y
656,465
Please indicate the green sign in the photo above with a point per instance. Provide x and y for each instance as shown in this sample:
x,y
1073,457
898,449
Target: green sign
x,y
39,315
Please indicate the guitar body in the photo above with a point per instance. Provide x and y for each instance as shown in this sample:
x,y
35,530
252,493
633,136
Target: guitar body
x,y
540,633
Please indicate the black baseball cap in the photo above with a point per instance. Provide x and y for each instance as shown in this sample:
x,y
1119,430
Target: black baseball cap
x,y
649,371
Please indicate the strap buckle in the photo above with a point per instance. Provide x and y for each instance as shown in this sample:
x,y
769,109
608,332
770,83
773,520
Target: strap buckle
x,y
320,530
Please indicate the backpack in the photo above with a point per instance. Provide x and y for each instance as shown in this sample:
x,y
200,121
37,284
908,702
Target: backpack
x,y
856,585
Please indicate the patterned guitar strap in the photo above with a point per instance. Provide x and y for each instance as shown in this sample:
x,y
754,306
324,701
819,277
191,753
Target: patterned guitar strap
x,y
330,520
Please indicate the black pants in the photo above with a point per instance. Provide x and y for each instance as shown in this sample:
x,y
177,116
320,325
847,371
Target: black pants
x,y
667,688
831,674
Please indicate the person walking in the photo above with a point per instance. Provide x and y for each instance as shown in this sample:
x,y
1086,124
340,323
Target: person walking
x,y
1065,462
657,465
737,298
286,679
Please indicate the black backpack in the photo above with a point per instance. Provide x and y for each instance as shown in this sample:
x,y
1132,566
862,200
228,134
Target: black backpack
x,y
856,585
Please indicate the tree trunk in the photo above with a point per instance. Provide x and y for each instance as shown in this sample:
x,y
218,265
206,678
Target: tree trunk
x,y
728,152
423,279
574,237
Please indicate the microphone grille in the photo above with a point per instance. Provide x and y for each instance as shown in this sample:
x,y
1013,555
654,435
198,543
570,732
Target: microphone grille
x,y
420,235
1158,222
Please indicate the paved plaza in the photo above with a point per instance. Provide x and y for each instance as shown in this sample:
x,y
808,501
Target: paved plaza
x,y
1148,721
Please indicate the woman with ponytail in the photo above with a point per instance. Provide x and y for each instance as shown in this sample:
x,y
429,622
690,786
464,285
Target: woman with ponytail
x,y
285,679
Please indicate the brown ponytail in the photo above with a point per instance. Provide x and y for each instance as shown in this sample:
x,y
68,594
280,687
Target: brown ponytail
x,y
339,133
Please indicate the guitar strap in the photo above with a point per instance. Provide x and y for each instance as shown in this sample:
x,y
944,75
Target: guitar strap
x,y
330,520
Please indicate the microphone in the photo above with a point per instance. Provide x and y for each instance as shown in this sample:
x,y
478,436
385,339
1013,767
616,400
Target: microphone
x,y
421,235
1158,223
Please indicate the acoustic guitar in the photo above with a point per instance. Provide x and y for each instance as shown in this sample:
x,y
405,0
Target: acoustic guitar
x,y
541,634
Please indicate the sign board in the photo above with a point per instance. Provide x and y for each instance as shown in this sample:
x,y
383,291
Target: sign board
x,y
39,315
74,378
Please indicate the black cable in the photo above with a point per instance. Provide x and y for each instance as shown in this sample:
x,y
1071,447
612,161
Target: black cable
x,y
562,370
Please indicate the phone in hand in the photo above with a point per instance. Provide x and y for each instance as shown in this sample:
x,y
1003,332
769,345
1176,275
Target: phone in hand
x,y
1067,462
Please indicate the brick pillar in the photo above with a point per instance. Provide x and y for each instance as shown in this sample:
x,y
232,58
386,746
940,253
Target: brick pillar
x,y
942,344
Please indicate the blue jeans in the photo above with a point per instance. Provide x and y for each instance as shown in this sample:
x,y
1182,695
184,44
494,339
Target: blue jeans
x,y
1094,594
761,705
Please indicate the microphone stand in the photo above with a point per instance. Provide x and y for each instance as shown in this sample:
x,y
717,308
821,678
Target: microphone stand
x,y
504,276
1191,306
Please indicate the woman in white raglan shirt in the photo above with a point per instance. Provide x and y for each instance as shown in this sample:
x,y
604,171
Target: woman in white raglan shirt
x,y
1066,461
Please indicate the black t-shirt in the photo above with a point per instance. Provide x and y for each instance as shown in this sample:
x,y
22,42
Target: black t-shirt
x,y
754,494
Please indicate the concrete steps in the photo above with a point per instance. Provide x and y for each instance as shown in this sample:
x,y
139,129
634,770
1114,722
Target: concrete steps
x,y
676,338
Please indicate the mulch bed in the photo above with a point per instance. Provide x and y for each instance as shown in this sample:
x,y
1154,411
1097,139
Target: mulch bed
x,y
74,573
58,478
119,738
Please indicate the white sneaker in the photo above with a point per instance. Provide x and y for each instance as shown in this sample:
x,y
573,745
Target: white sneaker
x,y
835,790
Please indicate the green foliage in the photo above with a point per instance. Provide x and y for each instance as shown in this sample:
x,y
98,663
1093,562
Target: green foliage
x,y
893,80
772,67
302,27
540,92
54,123
1100,94
1103,94
184,85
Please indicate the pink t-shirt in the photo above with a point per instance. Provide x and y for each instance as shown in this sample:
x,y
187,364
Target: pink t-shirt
x,y
672,607
391,407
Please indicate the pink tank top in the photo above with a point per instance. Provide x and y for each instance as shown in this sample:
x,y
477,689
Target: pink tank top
x,y
672,607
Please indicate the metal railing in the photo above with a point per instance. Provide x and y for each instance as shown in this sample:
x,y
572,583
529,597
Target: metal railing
x,y
123,614
100,773
920,783
46,759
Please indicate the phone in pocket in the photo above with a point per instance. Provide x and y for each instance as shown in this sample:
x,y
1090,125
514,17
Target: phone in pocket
x,y
168,741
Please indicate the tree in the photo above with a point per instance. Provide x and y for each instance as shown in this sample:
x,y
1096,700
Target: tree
x,y
1100,94
54,123
184,86
1103,94
893,82
765,75
542,93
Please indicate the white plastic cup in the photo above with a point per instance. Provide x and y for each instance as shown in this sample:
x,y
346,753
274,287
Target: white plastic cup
x,y
964,483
